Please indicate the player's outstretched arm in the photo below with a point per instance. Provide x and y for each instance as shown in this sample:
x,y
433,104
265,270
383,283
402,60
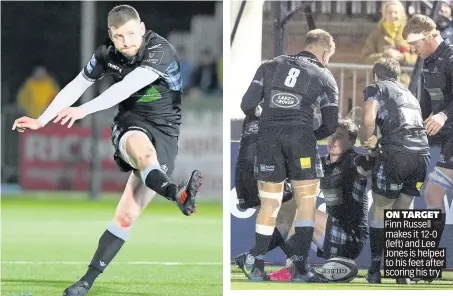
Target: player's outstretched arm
x,y
66,97
133,82
329,110
369,122
370,110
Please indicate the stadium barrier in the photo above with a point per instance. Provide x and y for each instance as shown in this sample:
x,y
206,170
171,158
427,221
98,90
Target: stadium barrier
x,y
361,74
243,222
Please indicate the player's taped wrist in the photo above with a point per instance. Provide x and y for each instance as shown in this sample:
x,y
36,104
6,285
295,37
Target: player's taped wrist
x,y
443,115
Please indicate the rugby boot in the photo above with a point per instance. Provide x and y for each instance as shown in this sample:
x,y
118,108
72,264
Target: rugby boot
x,y
403,281
373,277
187,191
247,263
310,276
240,260
257,275
79,288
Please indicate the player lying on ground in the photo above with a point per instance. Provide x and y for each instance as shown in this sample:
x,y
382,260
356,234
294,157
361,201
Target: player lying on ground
x,y
288,86
145,130
436,105
403,157
342,230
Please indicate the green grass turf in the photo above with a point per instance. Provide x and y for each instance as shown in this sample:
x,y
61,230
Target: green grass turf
x,y
47,244
240,282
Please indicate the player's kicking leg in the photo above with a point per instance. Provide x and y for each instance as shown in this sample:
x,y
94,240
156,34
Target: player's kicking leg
x,y
135,198
138,151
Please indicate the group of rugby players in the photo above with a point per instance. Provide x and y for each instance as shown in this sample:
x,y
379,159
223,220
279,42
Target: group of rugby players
x,y
279,168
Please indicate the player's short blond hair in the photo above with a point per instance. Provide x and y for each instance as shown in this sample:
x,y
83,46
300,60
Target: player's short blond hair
x,y
320,38
418,24
120,15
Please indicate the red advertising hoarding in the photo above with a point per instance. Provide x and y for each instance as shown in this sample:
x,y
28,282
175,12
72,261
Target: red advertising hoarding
x,y
58,158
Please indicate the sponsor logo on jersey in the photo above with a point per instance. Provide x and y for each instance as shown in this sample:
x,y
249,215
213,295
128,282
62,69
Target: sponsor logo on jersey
x,y
114,67
285,100
305,163
154,57
155,46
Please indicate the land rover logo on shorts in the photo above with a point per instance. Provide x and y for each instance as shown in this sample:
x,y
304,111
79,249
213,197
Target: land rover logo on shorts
x,y
285,100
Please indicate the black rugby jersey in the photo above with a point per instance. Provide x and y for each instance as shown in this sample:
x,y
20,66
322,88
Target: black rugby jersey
x,y
291,87
437,80
398,117
159,102
344,188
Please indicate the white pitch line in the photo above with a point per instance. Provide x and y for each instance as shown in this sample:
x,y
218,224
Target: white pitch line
x,y
115,263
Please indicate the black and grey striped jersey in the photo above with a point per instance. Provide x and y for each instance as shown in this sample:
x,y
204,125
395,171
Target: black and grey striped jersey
x,y
159,102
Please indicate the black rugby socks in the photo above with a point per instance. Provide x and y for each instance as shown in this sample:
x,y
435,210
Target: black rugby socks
x,y
155,179
109,245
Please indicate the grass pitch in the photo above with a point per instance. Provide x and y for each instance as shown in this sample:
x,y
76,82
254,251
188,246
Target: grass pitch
x,y
47,244
240,282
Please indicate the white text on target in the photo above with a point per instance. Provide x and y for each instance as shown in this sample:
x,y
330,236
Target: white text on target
x,y
412,214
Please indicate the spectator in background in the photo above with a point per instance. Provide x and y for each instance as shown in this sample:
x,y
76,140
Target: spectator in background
x,y
186,68
444,23
387,39
37,92
205,75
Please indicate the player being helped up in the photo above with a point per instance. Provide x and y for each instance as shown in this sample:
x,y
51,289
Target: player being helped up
x,y
342,230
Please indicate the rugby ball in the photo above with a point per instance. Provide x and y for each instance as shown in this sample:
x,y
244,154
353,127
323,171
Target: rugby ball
x,y
339,269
